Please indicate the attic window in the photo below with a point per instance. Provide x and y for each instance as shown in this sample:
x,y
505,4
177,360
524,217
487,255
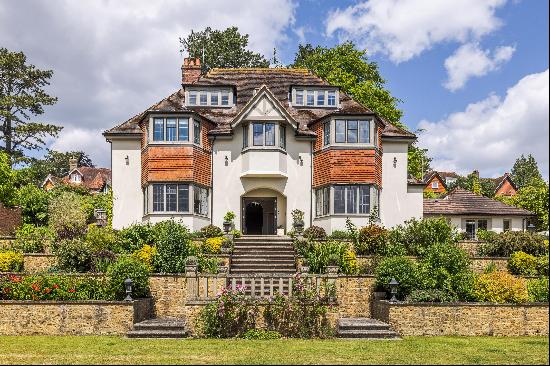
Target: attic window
x,y
312,97
209,97
76,178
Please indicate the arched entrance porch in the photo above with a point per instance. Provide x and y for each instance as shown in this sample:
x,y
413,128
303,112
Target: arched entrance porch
x,y
263,210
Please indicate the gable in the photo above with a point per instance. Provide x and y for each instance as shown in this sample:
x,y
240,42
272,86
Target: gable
x,y
263,109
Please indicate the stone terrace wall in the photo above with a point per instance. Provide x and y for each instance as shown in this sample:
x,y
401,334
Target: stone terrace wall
x,y
478,263
36,263
354,295
464,319
71,317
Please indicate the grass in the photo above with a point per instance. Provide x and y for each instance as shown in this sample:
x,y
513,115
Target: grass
x,y
413,350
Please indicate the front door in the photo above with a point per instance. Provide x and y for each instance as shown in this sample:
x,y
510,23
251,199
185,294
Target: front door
x,y
259,215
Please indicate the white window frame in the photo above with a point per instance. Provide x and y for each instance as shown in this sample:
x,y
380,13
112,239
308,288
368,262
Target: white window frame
x,y
373,132
316,92
209,92
190,130
191,187
374,199
435,185
279,127
76,178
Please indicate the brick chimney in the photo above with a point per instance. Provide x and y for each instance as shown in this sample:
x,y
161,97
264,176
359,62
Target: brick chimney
x,y
73,164
191,70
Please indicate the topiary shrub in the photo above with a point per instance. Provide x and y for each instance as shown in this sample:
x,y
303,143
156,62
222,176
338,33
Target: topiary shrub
x,y
211,231
500,287
135,236
212,245
522,264
128,267
314,232
172,242
538,289
146,255
73,255
33,239
11,261
506,243
403,269
372,239
67,216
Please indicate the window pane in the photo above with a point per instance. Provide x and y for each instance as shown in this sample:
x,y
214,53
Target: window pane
x,y
299,97
171,129
364,199
204,98
364,132
482,224
258,134
200,198
282,137
321,97
196,132
352,131
192,98
225,98
183,197
326,133
339,199
158,129
245,136
183,126
326,201
214,98
470,229
158,197
351,199
331,98
507,225
171,197
318,200
340,130
311,97
269,134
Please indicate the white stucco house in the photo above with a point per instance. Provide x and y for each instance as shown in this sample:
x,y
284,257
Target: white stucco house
x,y
260,143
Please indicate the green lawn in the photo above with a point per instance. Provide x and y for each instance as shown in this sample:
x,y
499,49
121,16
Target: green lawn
x,y
414,350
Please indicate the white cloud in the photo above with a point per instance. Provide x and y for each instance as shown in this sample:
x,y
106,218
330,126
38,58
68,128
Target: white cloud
x,y
112,59
403,29
88,140
469,60
490,134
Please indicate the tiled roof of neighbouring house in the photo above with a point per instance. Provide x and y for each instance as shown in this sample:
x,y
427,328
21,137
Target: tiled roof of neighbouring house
x,y
463,202
246,81
92,178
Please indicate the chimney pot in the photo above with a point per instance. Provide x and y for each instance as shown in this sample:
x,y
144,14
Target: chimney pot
x,y
191,70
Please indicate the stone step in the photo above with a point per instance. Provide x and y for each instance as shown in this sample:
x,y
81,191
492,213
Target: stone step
x,y
262,247
262,259
365,328
266,256
263,267
157,334
161,324
267,271
368,334
263,238
362,324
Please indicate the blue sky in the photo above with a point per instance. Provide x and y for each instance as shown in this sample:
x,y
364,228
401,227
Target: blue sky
x,y
473,74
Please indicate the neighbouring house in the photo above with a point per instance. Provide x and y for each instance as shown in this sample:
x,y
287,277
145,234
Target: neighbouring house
x,y
470,212
96,180
505,186
260,142
434,182
439,182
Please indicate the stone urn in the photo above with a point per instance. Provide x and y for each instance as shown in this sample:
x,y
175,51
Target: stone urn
x,y
227,226
332,269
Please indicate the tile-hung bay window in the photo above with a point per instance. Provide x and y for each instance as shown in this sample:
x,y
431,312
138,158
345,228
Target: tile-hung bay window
x,y
352,131
170,129
170,197
196,132
322,201
326,133
200,200
353,199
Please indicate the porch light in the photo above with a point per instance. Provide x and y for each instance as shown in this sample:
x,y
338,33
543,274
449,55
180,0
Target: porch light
x,y
300,160
128,286
393,289
531,227
226,161
127,159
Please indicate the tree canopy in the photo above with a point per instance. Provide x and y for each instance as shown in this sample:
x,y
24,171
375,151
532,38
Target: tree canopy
x,y
525,170
224,49
22,97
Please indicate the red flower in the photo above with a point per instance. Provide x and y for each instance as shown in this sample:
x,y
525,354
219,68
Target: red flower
x,y
14,278
55,286
35,287
47,290
7,290
72,290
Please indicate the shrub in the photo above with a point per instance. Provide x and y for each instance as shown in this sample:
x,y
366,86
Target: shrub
x,y
538,289
213,245
54,287
231,315
211,231
403,269
136,236
348,263
486,235
522,264
542,265
229,216
500,287
418,235
372,239
67,217
207,264
318,255
506,243
128,267
173,242
33,239
145,255
101,238
102,260
10,261
34,204
261,334
73,255
236,233
339,235
429,296
315,232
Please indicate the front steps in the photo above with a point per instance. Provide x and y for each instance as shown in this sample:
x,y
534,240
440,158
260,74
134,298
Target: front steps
x,y
364,328
263,255
159,328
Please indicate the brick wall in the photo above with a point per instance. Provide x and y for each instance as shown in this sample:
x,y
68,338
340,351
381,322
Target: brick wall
x,y
506,189
10,219
464,319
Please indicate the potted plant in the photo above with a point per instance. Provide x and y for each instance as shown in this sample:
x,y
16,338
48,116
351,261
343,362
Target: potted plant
x,y
228,221
297,220
227,246
280,230
333,263
304,267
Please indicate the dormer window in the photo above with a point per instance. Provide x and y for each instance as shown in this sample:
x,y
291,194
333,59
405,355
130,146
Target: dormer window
x,y
210,97
76,178
349,131
312,97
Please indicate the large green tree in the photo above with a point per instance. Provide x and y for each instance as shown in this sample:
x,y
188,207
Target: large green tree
x,y
224,49
525,170
8,177
473,183
22,97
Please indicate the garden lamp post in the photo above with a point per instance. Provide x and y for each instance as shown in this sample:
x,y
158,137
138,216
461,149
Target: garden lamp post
x,y
531,227
393,289
128,286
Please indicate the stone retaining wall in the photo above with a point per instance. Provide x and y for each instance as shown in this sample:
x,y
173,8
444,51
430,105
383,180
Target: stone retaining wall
x,y
38,262
478,264
71,317
463,319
